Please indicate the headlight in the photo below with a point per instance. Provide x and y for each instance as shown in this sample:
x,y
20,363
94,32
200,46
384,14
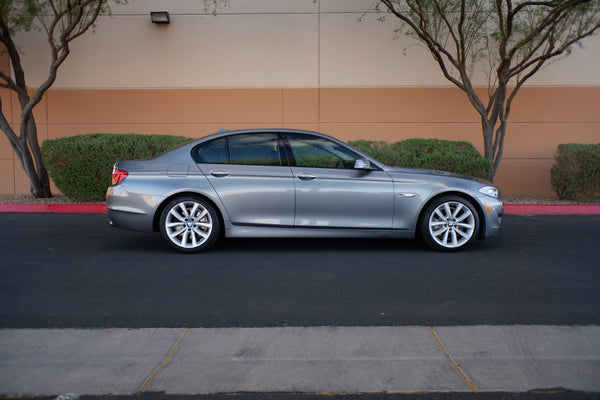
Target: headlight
x,y
490,191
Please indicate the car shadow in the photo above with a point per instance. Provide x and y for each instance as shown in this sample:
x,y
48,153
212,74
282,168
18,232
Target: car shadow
x,y
153,243
315,245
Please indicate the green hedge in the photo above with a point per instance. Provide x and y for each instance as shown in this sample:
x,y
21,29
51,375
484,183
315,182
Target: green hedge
x,y
81,166
575,174
442,155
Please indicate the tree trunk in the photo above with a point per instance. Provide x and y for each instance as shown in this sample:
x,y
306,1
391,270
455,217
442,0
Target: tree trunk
x,y
39,183
493,122
28,152
487,129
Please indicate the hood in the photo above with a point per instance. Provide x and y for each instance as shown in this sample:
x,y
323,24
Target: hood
x,y
431,172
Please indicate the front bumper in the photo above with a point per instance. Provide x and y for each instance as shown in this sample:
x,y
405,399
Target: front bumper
x,y
493,211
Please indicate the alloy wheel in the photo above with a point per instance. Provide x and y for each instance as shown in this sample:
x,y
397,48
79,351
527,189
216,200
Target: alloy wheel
x,y
189,225
452,224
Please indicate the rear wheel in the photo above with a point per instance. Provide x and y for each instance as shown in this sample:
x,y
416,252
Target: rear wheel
x,y
449,223
189,224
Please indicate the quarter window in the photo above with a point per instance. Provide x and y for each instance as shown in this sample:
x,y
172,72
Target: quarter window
x,y
213,152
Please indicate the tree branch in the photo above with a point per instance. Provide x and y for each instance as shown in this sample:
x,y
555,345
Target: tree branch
x,y
551,53
436,49
7,129
551,18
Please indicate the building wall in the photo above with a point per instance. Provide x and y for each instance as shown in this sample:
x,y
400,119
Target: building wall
x,y
290,63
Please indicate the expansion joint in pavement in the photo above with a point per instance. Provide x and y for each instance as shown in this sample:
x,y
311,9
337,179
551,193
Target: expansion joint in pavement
x,y
165,362
457,367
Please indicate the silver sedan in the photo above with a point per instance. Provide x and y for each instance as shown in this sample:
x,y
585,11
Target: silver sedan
x,y
293,183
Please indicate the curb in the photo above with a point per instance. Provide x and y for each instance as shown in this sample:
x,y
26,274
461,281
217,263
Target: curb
x,y
584,209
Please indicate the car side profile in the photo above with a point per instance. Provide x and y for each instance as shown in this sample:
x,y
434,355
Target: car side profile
x,y
294,183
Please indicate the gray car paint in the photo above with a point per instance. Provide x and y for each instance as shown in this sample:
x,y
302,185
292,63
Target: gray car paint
x,y
293,201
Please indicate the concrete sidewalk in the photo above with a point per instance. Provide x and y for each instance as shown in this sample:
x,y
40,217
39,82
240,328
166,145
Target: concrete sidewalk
x,y
313,359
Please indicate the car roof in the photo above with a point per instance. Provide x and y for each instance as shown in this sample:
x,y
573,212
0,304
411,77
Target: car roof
x,y
222,133
225,132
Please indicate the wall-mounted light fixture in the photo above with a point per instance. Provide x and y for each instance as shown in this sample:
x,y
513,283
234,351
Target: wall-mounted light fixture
x,y
160,17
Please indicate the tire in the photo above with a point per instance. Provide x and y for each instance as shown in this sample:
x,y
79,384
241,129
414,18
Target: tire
x,y
189,224
449,223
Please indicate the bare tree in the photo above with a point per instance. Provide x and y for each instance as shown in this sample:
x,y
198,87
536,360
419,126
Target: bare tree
x,y
62,21
513,39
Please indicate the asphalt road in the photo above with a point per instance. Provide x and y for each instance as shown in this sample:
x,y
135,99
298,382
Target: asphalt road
x,y
73,270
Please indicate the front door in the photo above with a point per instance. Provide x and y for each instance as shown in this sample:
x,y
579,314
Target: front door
x,y
331,193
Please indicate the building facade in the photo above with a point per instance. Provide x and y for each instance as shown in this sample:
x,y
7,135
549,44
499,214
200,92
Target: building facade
x,y
292,64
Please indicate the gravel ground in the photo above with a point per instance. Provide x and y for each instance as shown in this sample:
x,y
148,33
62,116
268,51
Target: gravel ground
x,y
541,199
508,199
29,199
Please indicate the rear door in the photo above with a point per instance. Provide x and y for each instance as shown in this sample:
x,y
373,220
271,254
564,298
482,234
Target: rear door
x,y
251,177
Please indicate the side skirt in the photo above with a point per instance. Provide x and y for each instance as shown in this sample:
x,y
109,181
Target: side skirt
x,y
301,232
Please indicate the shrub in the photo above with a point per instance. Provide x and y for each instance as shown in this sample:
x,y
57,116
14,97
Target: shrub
x,y
575,174
81,166
443,155
379,150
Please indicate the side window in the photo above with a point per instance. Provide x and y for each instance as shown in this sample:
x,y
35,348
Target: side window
x,y
213,152
255,149
316,152
251,149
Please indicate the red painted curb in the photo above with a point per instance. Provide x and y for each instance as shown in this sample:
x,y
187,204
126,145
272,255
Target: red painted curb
x,y
584,209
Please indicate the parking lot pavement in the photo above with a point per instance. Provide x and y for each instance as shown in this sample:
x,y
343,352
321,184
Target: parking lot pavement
x,y
413,359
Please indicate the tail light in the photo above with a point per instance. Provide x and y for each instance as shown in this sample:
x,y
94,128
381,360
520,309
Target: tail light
x,y
118,176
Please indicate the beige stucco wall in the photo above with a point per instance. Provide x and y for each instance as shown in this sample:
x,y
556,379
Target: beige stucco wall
x,y
290,63
260,43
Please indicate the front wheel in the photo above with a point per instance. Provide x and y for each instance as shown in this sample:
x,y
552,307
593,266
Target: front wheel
x,y
189,224
449,223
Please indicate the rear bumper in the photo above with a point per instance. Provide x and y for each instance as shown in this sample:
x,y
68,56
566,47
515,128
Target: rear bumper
x,y
129,211
130,220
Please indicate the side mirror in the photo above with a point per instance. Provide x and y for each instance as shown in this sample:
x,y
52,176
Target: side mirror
x,y
363,163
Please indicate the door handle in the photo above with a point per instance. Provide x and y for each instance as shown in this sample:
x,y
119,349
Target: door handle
x,y
306,177
220,173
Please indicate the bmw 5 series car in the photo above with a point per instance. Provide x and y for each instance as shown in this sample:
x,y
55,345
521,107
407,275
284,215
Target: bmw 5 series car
x,y
293,183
